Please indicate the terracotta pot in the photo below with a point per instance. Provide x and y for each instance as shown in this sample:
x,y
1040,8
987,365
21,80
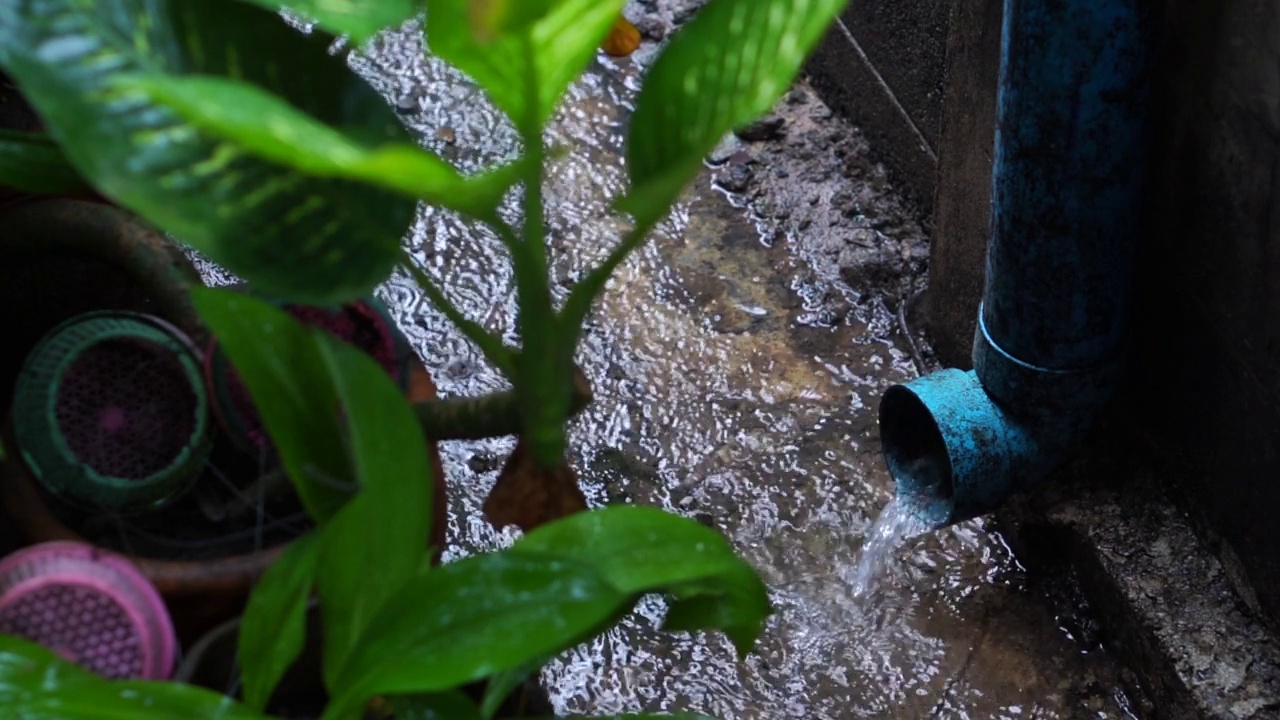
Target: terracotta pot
x,y
200,593
61,258
211,663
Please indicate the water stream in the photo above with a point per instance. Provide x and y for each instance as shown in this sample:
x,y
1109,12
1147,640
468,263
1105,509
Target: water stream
x,y
898,523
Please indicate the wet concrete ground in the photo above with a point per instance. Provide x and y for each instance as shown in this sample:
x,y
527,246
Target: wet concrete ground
x,y
737,362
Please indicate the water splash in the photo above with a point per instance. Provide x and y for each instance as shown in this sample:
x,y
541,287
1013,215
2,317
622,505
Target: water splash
x,y
899,522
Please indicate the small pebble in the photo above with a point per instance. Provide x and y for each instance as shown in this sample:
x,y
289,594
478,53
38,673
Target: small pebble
x,y
408,105
482,462
652,28
766,128
459,370
728,147
685,14
737,178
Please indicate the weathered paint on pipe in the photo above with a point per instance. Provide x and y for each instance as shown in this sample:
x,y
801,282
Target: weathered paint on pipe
x,y
1066,197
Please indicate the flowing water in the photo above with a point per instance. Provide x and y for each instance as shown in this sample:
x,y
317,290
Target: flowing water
x,y
737,360
898,523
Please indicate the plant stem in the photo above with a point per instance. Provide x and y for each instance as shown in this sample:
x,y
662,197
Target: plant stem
x,y
487,416
490,344
543,378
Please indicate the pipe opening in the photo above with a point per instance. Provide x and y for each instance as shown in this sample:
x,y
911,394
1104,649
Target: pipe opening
x,y
916,454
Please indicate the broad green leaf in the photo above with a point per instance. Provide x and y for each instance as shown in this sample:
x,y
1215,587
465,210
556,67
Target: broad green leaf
x,y
452,705
644,549
501,685
730,64
525,71
302,238
490,18
473,618
36,684
263,124
278,360
360,20
32,162
717,604
273,631
375,544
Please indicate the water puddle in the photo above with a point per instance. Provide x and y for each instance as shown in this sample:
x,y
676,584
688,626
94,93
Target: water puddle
x,y
737,360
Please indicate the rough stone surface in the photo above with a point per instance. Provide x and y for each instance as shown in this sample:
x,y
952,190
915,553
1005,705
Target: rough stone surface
x,y
1168,608
853,221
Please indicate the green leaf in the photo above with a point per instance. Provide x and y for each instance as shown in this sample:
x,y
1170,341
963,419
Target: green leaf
x,y
32,162
501,685
526,71
36,684
730,64
643,549
495,17
717,604
452,705
265,125
360,20
278,360
473,618
293,236
375,544
274,627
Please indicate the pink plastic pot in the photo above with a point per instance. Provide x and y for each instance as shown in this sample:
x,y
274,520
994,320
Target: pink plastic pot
x,y
93,608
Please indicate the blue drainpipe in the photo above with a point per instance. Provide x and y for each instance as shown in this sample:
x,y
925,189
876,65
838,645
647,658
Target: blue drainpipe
x,y
1067,194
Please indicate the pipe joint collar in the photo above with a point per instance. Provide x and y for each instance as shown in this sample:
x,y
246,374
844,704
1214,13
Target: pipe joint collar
x,y
1025,386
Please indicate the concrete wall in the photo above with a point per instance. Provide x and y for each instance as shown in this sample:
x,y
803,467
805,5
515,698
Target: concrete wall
x,y
1205,379
882,66
962,209
916,76
1207,369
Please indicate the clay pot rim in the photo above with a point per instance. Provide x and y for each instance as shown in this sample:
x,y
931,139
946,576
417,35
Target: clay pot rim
x,y
121,239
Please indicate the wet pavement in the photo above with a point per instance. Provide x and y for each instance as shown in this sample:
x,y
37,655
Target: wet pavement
x,y
737,361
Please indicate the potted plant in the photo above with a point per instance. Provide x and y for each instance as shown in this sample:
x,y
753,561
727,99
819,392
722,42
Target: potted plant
x,y
400,637
252,143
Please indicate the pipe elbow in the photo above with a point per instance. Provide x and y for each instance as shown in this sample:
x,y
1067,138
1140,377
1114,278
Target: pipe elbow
x,y
959,444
